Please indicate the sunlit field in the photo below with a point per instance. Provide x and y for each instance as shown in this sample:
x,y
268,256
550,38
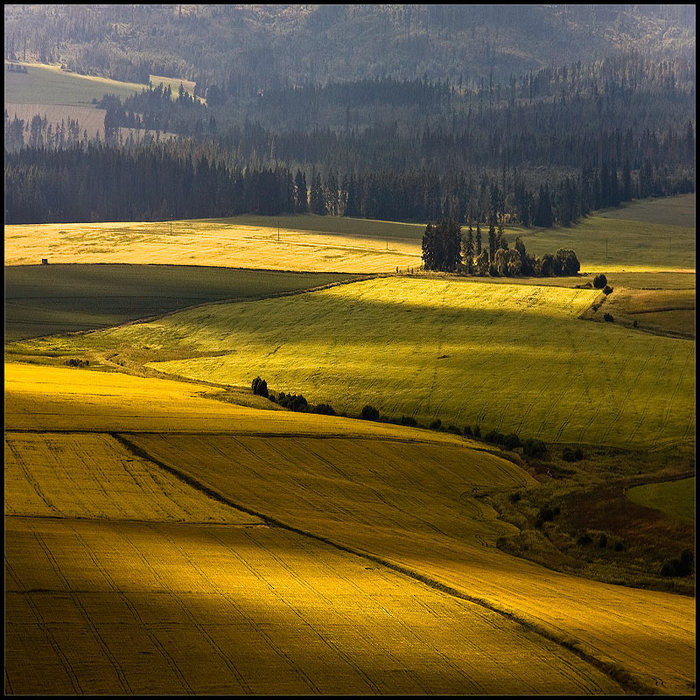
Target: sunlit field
x,y
644,236
59,87
304,243
638,244
507,357
365,564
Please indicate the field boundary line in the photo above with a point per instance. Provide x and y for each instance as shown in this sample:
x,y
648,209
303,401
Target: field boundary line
x,y
625,678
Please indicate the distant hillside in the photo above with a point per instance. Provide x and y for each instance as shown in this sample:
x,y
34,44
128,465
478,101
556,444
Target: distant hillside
x,y
269,45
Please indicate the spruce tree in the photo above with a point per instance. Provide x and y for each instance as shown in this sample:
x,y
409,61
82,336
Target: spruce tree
x,y
301,203
469,250
492,239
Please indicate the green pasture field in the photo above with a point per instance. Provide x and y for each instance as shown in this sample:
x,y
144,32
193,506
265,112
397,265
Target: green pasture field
x,y
669,211
42,299
513,358
674,498
47,84
370,228
615,244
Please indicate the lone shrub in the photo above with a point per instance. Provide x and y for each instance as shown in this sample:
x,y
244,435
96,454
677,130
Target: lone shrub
x,y
292,402
511,441
435,425
494,437
619,546
678,567
546,514
534,448
260,387
572,455
515,497
603,540
608,317
584,539
477,431
607,290
600,281
369,413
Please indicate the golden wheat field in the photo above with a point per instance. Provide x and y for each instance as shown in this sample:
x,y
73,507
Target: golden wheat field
x,y
115,584
361,565
223,242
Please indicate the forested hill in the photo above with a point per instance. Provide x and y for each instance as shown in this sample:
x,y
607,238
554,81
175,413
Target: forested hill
x,y
264,46
538,113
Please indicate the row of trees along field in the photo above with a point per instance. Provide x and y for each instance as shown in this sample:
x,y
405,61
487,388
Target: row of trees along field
x,y
447,249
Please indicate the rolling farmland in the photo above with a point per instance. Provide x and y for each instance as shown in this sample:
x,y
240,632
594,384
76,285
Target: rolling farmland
x,y
266,551
336,244
380,559
444,347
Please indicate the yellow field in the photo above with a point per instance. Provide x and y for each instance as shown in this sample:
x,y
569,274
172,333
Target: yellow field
x,y
183,609
513,358
222,242
97,603
423,515
239,607
73,475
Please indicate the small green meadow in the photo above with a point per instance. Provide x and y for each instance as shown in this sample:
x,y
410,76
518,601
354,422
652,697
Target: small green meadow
x,y
674,498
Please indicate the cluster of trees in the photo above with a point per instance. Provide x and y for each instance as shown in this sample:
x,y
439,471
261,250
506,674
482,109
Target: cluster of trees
x,y
446,249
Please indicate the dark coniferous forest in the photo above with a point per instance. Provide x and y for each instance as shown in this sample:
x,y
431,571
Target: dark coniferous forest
x,y
536,146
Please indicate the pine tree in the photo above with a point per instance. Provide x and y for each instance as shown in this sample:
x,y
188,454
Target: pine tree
x,y
478,239
468,252
317,202
301,203
492,239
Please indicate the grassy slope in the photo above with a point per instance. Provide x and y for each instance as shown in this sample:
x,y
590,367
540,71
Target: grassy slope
x,y
508,357
675,498
56,87
346,490
42,299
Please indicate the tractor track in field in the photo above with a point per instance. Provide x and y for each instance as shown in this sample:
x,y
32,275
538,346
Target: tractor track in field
x,y
626,679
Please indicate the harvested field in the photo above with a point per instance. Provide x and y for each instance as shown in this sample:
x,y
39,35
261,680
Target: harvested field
x,y
92,476
105,607
260,244
179,591
427,520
